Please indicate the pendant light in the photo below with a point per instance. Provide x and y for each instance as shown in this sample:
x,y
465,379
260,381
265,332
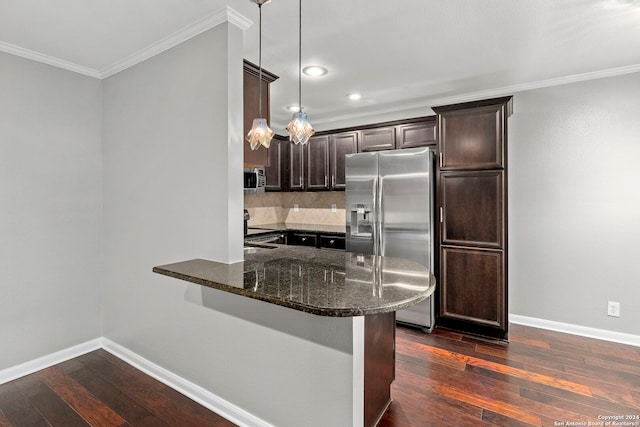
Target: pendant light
x,y
299,129
260,133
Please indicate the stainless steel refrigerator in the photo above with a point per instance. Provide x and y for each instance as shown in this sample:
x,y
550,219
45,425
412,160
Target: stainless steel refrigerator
x,y
389,204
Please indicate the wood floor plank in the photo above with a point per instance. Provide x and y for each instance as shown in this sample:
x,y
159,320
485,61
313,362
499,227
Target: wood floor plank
x,y
531,342
17,408
53,408
84,403
493,405
622,351
593,401
514,372
431,374
4,421
171,406
454,346
500,420
581,410
433,410
463,379
130,410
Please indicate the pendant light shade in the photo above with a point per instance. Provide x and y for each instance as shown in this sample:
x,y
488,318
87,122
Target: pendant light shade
x,y
260,133
299,129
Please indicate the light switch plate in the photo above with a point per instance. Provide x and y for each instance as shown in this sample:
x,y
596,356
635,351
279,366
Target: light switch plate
x,y
613,309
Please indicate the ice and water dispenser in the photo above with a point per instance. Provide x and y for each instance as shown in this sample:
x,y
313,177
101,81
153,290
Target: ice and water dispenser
x,y
361,220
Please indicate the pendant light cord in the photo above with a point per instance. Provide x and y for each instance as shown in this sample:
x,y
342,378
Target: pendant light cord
x,y
260,64
300,57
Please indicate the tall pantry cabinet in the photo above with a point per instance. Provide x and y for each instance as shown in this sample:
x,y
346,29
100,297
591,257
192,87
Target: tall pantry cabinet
x,y
472,201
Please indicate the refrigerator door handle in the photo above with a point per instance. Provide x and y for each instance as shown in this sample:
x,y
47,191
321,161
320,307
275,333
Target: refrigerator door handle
x,y
379,218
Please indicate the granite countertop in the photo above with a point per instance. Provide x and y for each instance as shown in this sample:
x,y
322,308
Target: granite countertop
x,y
281,226
326,283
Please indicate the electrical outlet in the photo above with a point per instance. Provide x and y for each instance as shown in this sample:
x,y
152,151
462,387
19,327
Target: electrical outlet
x,y
613,309
334,208
296,208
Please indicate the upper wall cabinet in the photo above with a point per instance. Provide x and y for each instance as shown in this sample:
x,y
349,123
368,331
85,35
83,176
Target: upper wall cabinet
x,y
317,163
473,138
419,134
295,167
251,97
412,133
324,167
377,139
340,145
273,172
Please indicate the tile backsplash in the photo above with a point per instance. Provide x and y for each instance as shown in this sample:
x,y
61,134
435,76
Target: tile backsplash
x,y
312,208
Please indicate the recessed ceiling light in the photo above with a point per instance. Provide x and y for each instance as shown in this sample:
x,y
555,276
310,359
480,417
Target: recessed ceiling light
x,y
314,71
354,96
293,108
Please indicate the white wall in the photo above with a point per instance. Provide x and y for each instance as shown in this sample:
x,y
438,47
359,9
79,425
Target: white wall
x,y
574,203
50,209
173,191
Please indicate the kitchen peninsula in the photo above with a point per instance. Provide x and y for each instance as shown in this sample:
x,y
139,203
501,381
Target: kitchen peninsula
x,y
348,303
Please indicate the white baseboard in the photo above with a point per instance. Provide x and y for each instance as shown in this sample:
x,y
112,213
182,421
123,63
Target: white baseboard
x,y
583,331
43,362
193,391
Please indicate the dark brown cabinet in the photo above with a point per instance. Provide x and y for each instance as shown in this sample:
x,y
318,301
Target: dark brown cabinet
x,y
377,139
303,239
472,197
317,240
419,134
317,163
320,165
295,167
472,208
340,145
251,104
332,242
273,172
473,286
475,137
323,165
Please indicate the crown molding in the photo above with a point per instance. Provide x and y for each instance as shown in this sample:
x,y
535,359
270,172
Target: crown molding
x,y
49,60
427,103
220,17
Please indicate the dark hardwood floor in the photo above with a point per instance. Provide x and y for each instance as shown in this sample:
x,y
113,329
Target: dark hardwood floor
x,y
540,378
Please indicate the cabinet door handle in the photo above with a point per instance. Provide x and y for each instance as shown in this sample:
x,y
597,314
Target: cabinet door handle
x,y
326,181
441,214
333,180
301,181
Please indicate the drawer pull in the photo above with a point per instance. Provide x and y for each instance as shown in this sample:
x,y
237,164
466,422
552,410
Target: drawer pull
x,y
331,242
304,239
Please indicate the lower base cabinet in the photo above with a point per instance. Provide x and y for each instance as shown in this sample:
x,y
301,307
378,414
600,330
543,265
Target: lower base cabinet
x,y
379,364
317,240
472,290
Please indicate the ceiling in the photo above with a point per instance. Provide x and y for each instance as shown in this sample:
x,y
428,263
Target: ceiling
x,y
402,56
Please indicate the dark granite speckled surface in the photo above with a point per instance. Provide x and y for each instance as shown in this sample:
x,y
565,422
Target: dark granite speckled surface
x,y
281,226
317,281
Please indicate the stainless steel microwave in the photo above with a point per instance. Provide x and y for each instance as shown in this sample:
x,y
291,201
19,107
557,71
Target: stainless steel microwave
x,y
255,180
